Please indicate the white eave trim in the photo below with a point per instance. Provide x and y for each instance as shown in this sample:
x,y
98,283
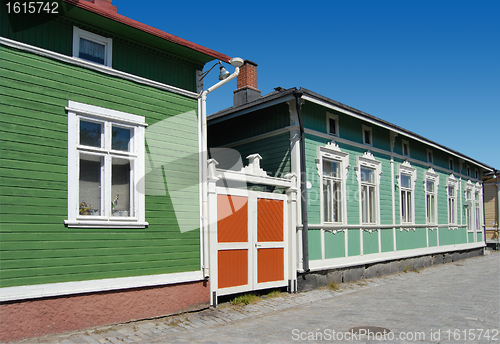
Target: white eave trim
x,y
93,286
369,120
94,66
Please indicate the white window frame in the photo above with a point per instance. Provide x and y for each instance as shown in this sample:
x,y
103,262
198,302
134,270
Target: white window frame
x,y
365,128
107,42
332,152
431,175
335,117
431,155
469,206
406,169
478,207
136,155
369,161
452,208
403,143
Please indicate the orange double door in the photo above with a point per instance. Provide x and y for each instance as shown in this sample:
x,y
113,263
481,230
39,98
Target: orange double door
x,y
251,242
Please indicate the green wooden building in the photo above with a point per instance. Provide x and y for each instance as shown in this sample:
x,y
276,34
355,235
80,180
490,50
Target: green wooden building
x,y
375,193
99,169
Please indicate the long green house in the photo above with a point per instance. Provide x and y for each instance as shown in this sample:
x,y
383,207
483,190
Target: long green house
x,y
99,169
376,198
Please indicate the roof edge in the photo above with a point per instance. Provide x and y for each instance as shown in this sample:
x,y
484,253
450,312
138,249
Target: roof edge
x,y
146,28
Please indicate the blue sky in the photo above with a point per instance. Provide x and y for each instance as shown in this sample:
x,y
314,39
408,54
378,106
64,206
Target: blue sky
x,y
432,67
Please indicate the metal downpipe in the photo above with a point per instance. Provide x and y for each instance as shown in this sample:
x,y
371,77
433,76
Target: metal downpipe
x,y
303,187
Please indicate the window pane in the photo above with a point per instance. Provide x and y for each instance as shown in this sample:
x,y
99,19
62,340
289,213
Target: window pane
x,y
451,191
367,134
409,207
372,204
90,185
331,168
327,200
337,201
367,175
430,186
90,133
120,139
405,181
364,203
92,51
120,188
333,129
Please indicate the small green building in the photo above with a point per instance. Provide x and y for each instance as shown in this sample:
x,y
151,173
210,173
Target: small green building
x,y
374,192
99,169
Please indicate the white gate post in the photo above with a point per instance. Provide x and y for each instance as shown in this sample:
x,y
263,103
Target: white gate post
x,y
292,232
212,229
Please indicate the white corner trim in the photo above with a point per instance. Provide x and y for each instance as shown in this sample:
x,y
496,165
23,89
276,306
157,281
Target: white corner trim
x,y
93,286
100,68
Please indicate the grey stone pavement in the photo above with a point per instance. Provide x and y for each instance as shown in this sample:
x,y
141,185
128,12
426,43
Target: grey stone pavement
x,y
451,303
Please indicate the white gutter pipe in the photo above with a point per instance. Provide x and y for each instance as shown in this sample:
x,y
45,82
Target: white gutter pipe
x,y
203,158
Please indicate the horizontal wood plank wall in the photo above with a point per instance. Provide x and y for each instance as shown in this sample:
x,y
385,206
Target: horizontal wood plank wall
x,y
36,246
128,56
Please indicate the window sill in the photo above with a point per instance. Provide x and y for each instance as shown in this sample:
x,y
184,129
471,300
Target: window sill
x,y
105,224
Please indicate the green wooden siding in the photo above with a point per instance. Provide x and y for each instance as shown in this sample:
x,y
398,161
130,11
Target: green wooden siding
x,y
129,55
334,245
433,235
370,242
36,246
314,244
243,127
274,150
387,239
353,242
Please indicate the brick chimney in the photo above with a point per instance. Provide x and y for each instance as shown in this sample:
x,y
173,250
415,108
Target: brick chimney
x,y
104,4
246,84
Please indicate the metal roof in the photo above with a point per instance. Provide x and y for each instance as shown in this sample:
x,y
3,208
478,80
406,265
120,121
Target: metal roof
x,y
277,97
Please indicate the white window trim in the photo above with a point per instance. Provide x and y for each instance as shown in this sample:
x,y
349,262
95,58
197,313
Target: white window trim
x,y
431,175
431,154
403,143
368,160
75,111
367,128
107,42
452,181
407,169
334,117
469,205
478,189
332,152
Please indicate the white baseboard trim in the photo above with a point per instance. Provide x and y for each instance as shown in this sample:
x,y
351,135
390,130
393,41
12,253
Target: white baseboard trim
x,y
334,263
93,286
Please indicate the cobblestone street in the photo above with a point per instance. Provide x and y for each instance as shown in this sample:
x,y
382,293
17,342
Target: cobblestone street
x,y
451,303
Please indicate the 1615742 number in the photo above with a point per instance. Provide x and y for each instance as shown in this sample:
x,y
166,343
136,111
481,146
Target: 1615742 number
x,y
32,7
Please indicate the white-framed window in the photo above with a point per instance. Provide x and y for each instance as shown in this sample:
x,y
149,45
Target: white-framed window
x,y
368,172
332,124
405,149
407,177
431,189
450,164
367,135
451,191
469,203
91,47
430,156
333,173
477,209
106,156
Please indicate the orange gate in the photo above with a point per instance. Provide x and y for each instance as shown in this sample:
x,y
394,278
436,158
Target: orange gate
x,y
251,237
